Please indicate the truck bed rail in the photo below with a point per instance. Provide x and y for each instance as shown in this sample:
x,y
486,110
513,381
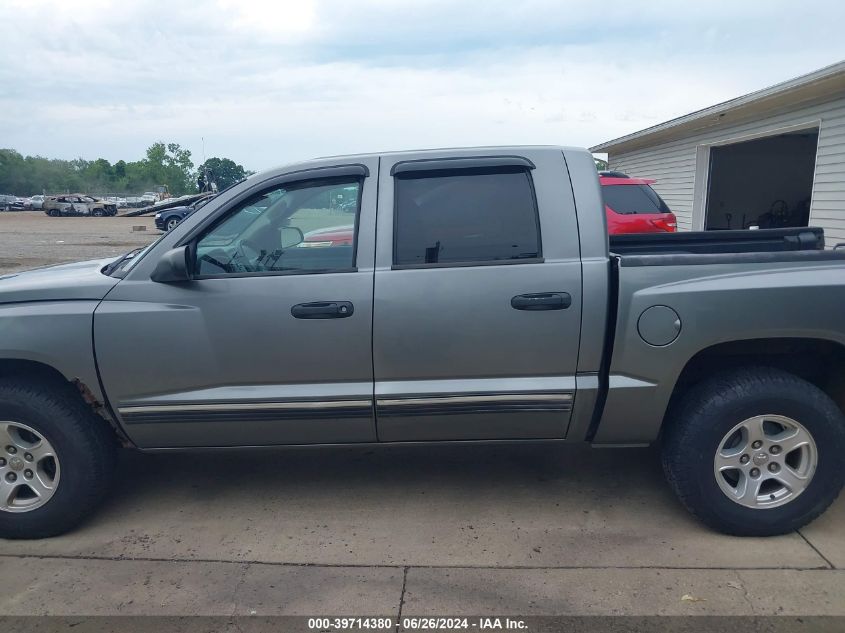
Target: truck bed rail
x,y
712,242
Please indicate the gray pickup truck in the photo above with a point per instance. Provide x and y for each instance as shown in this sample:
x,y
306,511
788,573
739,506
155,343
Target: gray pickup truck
x,y
468,295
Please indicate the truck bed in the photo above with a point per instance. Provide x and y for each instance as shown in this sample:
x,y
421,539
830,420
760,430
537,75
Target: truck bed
x,y
753,284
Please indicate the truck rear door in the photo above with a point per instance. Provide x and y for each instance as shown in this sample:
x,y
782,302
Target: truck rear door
x,y
477,296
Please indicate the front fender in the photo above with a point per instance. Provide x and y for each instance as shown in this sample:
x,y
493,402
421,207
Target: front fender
x,y
55,333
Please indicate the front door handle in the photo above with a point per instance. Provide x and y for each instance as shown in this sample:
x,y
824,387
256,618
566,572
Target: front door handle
x,y
323,310
542,301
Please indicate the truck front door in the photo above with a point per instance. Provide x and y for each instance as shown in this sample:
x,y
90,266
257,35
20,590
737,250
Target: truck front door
x,y
270,340
477,312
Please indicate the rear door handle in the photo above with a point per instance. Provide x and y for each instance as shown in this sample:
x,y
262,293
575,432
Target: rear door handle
x,y
542,301
323,310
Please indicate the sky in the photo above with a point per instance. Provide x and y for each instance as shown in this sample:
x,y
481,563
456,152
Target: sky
x,y
269,82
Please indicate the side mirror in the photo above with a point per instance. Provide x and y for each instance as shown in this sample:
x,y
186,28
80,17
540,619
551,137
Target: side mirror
x,y
172,267
291,236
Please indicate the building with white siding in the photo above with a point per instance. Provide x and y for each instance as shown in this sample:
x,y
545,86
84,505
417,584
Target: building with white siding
x,y
775,157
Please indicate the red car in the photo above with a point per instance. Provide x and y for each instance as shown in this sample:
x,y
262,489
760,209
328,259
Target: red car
x,y
632,206
331,236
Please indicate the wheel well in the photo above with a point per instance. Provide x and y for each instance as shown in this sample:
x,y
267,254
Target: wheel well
x,y
19,368
818,361
45,374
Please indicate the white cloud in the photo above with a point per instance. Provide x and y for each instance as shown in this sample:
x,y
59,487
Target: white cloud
x,y
276,17
65,7
266,83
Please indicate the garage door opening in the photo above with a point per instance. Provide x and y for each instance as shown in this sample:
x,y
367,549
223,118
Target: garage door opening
x,y
765,183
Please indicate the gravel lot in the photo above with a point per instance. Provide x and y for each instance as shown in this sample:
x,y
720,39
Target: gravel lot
x,y
29,239
458,530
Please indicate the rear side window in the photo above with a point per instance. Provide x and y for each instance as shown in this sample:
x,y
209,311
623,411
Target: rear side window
x,y
464,217
633,199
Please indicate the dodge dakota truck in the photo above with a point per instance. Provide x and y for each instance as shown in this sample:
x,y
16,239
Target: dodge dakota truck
x,y
480,299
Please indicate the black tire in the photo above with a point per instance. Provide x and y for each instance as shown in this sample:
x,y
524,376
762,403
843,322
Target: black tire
x,y
696,427
97,213
172,223
54,213
85,446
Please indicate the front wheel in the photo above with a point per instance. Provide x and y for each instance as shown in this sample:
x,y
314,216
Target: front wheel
x,y
56,459
755,451
172,223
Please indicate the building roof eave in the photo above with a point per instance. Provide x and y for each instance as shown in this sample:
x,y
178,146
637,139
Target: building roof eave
x,y
826,81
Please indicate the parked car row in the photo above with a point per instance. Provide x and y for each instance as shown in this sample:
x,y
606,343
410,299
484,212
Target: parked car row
x,y
124,202
9,202
72,204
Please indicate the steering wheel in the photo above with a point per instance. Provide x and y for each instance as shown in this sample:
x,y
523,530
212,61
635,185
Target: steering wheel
x,y
245,259
248,256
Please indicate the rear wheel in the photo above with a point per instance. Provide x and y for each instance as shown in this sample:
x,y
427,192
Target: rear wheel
x,y
56,459
755,451
97,213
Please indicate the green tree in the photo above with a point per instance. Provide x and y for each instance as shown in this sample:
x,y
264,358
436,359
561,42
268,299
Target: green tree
x,y
225,172
12,172
163,164
120,169
99,175
172,166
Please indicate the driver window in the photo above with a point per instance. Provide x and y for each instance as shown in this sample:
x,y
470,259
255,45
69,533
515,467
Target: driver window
x,y
300,227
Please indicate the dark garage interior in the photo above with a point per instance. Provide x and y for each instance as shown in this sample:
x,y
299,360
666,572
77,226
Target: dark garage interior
x,y
765,183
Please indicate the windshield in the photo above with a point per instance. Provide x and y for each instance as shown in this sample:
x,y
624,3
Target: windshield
x,y
633,199
127,261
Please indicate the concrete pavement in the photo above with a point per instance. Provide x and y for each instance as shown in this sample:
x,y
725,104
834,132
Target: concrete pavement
x,y
527,530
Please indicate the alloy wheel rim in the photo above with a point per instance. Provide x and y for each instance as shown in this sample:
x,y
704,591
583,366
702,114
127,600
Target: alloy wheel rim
x,y
765,461
29,468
